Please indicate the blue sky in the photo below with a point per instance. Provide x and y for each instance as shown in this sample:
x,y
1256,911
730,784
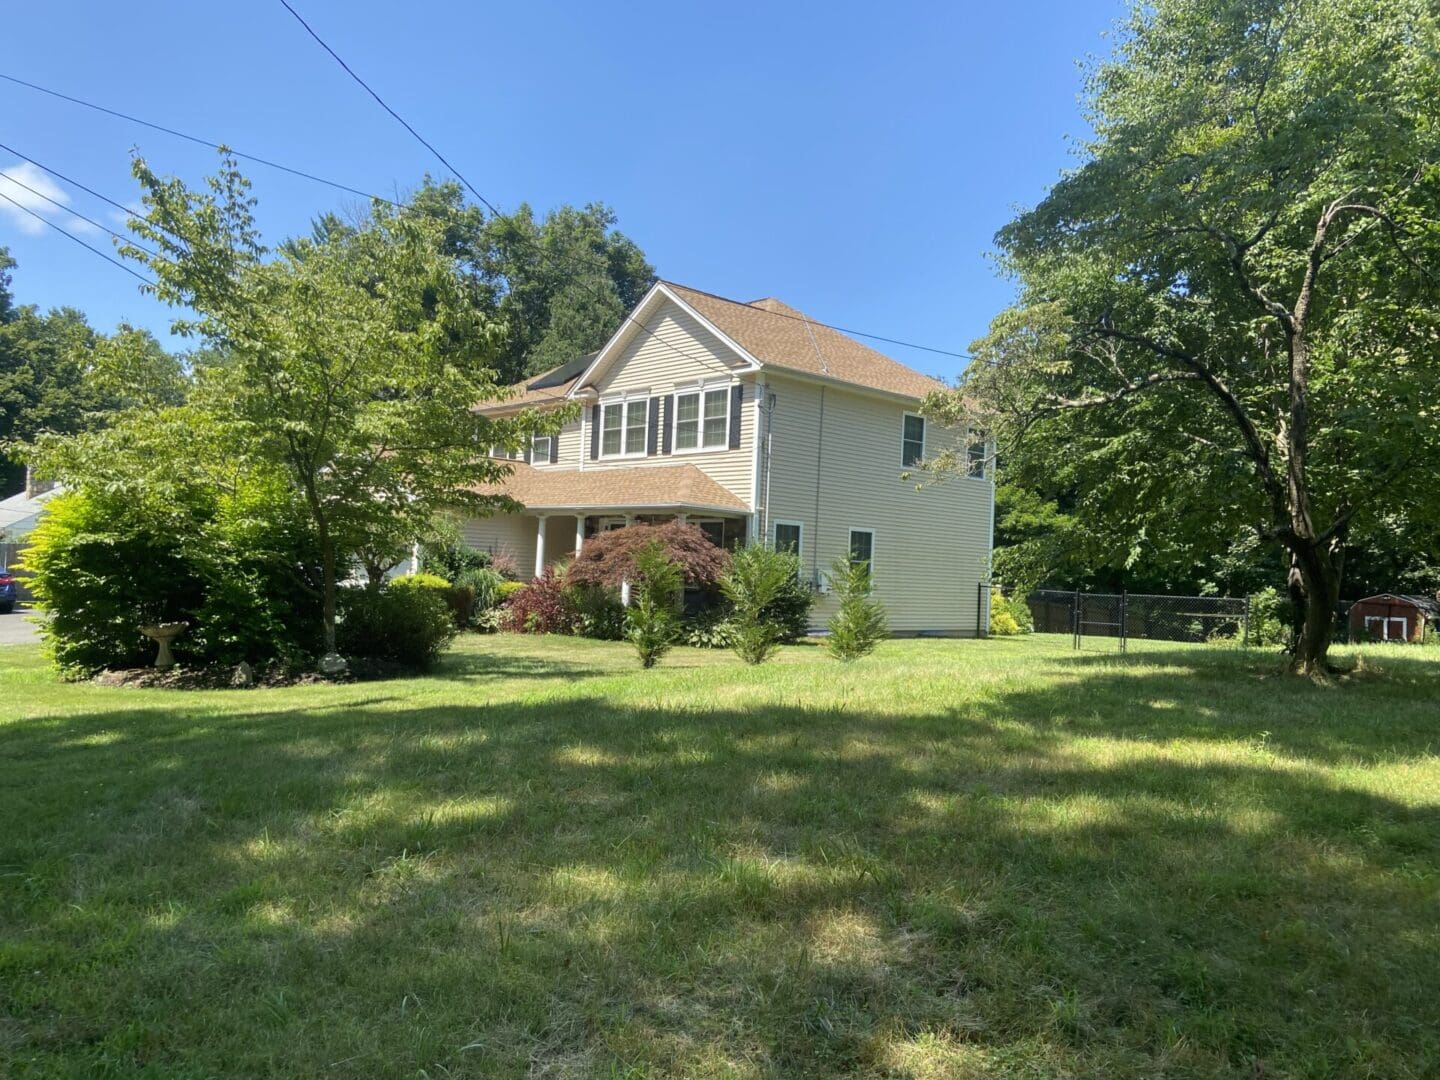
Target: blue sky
x,y
854,160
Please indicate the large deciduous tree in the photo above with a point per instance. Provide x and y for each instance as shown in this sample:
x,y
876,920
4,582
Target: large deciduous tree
x,y
1228,317
351,361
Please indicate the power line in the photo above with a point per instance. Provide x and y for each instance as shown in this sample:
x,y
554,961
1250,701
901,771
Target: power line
x,y
269,163
82,243
199,141
89,221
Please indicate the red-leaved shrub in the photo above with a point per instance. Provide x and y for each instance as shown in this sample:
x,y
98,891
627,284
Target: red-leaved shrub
x,y
542,607
609,559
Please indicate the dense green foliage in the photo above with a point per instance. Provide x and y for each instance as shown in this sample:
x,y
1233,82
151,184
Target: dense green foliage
x,y
242,570
1009,615
57,375
610,557
558,286
1228,312
652,621
859,623
406,621
755,584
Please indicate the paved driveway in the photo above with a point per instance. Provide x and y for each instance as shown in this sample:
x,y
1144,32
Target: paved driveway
x,y
17,629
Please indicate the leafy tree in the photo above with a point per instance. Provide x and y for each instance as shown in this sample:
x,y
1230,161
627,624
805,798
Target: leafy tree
x,y
612,557
755,579
557,286
859,623
1227,314
652,621
347,362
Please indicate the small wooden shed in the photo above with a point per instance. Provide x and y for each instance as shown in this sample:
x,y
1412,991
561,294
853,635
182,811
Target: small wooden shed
x,y
1393,617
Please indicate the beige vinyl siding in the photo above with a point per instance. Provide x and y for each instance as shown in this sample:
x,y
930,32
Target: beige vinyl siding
x,y
835,465
571,447
513,534
679,353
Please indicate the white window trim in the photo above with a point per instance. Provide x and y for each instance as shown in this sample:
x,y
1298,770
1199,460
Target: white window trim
x,y
799,545
623,400
535,459
701,388
984,473
850,537
924,438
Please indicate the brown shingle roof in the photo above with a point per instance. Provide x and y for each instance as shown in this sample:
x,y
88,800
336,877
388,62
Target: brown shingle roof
x,y
535,391
776,334
639,486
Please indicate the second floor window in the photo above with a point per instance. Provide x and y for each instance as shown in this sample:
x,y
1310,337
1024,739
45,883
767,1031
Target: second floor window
x,y
702,419
622,427
912,440
977,454
540,448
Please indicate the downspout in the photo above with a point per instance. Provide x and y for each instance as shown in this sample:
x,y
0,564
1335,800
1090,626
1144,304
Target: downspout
x,y
769,412
819,463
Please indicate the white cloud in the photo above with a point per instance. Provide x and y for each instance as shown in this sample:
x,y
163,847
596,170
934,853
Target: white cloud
x,y
14,184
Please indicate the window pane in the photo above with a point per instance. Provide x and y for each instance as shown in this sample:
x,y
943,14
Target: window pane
x,y
635,417
862,546
610,430
717,417
977,453
540,448
787,538
912,450
687,407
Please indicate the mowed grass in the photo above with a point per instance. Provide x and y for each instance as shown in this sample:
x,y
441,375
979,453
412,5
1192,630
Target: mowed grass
x,y
950,859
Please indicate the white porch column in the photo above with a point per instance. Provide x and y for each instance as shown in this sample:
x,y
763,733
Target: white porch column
x,y
579,532
682,518
629,519
540,545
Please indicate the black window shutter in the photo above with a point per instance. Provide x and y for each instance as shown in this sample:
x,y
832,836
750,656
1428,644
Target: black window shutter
x,y
555,448
667,425
529,450
652,433
737,398
594,432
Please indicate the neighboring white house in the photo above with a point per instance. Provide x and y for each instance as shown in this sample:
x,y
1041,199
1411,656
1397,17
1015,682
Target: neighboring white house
x,y
19,515
751,420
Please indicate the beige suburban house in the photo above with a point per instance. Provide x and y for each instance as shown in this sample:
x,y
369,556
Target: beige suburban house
x,y
751,420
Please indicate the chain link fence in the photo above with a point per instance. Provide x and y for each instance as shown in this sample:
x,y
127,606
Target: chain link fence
x,y
1120,619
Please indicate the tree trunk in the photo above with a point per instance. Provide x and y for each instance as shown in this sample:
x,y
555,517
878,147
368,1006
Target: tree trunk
x,y
327,594
1320,582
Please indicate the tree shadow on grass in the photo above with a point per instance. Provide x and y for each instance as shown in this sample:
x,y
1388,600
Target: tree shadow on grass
x,y
583,886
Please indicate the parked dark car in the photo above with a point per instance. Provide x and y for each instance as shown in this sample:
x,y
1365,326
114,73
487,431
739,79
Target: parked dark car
x,y
8,590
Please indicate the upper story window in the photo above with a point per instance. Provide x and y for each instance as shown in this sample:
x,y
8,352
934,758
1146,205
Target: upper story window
x,y
541,448
702,419
912,440
976,453
622,427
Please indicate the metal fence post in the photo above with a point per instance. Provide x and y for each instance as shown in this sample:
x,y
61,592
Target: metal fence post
x,y
1122,621
1245,625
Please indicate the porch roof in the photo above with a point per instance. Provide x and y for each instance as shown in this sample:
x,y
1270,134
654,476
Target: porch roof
x,y
638,487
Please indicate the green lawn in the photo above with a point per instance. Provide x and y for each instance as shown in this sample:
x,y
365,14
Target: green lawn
x,y
950,859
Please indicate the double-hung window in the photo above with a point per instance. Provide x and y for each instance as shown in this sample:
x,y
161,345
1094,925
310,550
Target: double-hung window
x,y
976,453
787,536
862,548
622,427
912,440
702,419
540,448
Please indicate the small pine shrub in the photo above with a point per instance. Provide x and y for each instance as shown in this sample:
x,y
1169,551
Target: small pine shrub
x,y
1269,618
652,622
859,624
756,578
599,613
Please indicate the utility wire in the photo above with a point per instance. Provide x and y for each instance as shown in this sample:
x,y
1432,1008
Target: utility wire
x,y
199,141
269,163
89,221
82,243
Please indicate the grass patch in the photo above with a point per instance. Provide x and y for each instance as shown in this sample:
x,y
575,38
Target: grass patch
x,y
952,858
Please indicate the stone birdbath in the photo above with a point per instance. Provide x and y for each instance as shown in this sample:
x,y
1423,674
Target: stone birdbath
x,y
163,634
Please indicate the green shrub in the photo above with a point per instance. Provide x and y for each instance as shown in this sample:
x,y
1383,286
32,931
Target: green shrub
x,y
756,579
599,613
541,607
1269,618
241,568
859,624
406,621
790,610
508,589
710,629
652,621
452,559
1009,616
